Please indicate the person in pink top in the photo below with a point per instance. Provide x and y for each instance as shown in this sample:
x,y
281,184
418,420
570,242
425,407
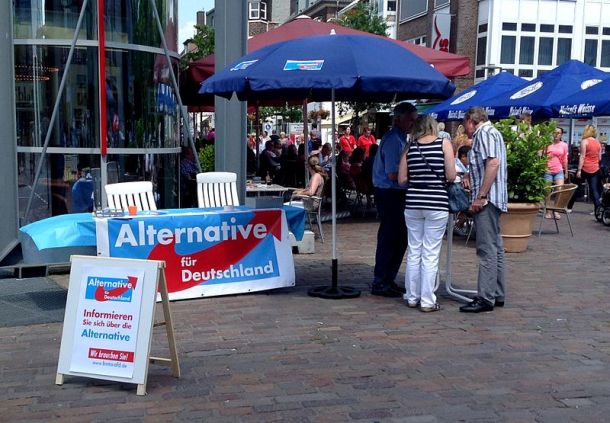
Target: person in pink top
x,y
557,165
588,165
366,140
347,141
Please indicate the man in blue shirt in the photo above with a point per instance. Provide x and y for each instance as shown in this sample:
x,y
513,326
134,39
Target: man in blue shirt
x,y
390,201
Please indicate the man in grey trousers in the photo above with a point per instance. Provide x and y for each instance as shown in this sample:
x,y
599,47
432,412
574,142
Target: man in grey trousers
x,y
489,196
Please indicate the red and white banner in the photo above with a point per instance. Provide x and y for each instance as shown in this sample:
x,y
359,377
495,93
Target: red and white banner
x,y
207,253
441,31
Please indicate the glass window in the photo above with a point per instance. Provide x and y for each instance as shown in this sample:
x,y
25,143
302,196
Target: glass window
x,y
605,62
564,50
391,5
412,8
542,71
257,10
507,52
53,19
526,73
528,27
547,28
38,73
480,73
545,51
590,52
509,26
526,52
592,30
439,3
482,28
565,29
606,31
481,50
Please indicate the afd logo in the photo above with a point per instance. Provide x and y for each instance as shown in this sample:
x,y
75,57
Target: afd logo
x,y
304,65
110,289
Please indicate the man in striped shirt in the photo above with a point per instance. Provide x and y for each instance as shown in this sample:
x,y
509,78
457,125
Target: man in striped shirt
x,y
489,198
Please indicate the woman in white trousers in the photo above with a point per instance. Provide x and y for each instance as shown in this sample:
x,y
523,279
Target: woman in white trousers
x,y
426,166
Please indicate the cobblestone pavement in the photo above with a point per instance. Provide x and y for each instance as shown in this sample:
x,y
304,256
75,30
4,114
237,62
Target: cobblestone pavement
x,y
285,356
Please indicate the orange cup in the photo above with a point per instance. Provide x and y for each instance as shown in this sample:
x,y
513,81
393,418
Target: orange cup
x,y
133,210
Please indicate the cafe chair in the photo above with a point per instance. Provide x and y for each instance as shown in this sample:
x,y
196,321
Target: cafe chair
x,y
556,201
217,189
125,194
313,207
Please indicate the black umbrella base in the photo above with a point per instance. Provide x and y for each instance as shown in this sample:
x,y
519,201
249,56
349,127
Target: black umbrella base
x,y
334,292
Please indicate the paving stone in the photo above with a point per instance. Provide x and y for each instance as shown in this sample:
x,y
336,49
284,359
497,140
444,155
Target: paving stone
x,y
285,356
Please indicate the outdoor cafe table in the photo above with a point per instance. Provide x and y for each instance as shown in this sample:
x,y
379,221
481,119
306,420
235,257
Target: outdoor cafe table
x,y
259,189
245,250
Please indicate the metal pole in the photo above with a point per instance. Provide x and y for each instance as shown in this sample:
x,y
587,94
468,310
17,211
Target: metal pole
x,y
306,140
55,108
185,117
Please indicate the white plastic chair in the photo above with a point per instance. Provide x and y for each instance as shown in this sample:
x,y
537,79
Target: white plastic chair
x,y
217,189
125,194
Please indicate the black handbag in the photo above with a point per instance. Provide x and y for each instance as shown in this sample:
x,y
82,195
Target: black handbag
x,y
458,198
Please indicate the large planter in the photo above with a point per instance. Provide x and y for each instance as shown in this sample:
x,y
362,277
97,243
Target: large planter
x,y
517,226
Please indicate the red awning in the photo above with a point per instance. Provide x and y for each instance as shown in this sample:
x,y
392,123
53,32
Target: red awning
x,y
448,64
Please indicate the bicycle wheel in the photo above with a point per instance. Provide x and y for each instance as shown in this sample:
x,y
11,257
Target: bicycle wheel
x,y
606,217
599,212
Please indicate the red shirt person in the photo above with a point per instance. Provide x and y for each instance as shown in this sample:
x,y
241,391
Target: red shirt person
x,y
366,140
347,141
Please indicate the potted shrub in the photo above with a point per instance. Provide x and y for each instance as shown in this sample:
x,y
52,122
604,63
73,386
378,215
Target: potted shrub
x,y
526,185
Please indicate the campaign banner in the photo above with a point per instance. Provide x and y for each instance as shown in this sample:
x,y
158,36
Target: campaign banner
x,y
107,321
207,253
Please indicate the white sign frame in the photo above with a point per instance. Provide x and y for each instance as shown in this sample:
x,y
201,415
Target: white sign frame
x,y
153,273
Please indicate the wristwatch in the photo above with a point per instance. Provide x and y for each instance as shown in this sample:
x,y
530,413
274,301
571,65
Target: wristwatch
x,y
482,197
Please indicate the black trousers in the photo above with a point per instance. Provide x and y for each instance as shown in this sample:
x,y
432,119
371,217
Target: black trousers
x,y
391,236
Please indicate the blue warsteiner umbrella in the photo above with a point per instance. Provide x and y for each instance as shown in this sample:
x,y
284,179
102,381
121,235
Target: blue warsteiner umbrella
x,y
328,68
455,107
537,95
592,101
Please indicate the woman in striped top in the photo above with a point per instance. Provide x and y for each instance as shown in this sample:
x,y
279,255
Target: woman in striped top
x,y
426,166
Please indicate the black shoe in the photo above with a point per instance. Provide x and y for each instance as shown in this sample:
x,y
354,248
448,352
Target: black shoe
x,y
478,305
395,287
385,292
499,303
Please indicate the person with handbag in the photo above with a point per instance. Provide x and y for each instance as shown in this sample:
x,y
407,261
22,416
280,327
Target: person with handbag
x,y
426,166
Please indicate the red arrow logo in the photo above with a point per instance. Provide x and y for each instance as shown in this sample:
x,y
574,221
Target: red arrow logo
x,y
219,256
102,295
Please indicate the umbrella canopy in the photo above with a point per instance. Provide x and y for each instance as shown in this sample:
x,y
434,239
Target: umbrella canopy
x,y
356,67
449,64
591,101
455,107
537,95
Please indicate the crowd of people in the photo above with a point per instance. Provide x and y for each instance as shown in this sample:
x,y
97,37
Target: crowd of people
x,y
406,175
284,160
415,162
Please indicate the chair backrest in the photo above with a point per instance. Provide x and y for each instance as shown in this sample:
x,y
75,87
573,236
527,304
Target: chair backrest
x,y
560,196
125,194
217,189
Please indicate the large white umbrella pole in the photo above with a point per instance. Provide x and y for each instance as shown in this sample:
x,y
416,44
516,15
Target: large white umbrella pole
x,y
334,292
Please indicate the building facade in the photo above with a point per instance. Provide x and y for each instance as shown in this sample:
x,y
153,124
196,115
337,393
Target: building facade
x,y
524,37
128,131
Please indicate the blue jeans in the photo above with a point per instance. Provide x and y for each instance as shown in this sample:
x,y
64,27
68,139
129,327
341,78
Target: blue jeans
x,y
594,180
391,236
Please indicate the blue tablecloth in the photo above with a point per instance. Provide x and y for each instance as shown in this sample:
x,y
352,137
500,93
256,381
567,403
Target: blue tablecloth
x,y
78,229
